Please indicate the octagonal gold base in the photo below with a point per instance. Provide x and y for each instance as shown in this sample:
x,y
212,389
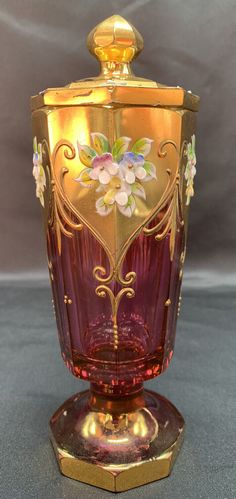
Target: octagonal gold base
x,y
79,453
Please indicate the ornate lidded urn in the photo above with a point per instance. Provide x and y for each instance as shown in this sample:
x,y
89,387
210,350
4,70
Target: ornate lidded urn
x,y
114,165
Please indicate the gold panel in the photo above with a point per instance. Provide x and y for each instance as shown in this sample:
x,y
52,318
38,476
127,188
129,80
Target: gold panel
x,y
118,478
72,125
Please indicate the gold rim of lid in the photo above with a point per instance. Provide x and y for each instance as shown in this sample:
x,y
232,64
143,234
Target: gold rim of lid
x,y
115,43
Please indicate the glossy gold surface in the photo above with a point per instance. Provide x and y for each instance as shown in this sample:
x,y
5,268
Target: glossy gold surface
x,y
115,42
118,478
106,427
115,94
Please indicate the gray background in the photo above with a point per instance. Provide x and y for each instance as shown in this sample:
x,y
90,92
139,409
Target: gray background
x,y
189,43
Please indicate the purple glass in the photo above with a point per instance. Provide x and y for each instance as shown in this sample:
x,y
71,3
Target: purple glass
x,y
146,324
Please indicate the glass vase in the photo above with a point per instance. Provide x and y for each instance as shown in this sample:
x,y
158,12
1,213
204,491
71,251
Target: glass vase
x,y
114,165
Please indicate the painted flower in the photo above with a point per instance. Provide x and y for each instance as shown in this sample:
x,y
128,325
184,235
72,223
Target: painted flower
x,y
99,162
132,167
119,193
190,170
116,173
38,171
103,168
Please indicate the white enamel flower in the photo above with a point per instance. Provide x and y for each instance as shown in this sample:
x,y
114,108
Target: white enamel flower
x,y
38,171
115,172
190,170
133,167
119,192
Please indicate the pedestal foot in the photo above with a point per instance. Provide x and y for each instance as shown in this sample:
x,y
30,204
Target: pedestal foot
x,y
116,444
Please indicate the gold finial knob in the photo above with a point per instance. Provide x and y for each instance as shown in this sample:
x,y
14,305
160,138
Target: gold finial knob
x,y
115,42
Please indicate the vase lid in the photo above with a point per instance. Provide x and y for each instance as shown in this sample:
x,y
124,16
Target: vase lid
x,y
115,43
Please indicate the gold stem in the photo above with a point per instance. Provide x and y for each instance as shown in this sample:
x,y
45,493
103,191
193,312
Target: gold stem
x,y
114,69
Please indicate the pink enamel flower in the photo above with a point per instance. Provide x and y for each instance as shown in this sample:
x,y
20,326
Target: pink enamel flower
x,y
103,168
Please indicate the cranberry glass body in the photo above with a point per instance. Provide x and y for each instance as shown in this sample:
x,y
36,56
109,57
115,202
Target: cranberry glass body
x,y
115,205
114,164
145,324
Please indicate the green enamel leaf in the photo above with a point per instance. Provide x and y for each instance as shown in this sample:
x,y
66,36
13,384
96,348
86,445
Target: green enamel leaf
x,y
86,154
40,151
138,190
109,197
41,171
84,178
131,201
129,208
120,147
100,143
189,150
35,146
150,169
142,146
102,208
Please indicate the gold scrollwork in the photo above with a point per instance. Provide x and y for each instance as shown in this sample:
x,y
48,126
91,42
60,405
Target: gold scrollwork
x,y
128,278
103,291
100,273
171,202
60,208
